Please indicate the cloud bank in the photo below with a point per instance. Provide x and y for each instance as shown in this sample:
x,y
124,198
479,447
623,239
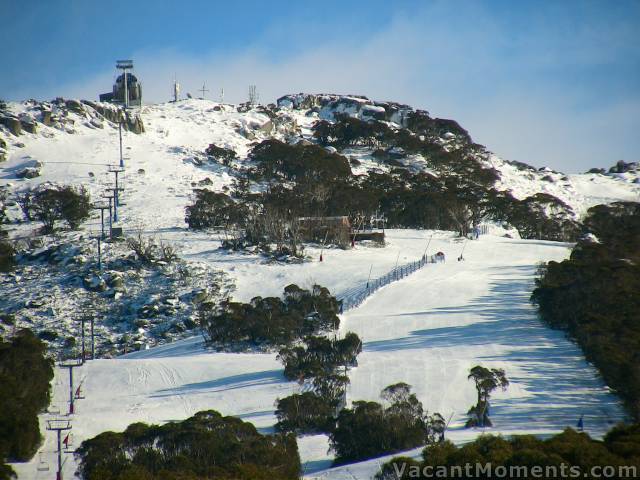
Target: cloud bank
x,y
527,97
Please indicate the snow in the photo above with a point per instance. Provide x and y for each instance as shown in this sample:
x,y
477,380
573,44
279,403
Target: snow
x,y
427,330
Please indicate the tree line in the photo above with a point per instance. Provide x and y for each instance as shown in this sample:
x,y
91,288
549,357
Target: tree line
x,y
525,456
207,445
306,180
593,296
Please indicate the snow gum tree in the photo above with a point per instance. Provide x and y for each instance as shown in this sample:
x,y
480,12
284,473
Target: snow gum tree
x,y
486,381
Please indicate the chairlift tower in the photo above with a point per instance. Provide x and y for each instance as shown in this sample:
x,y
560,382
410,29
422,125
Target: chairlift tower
x,y
102,208
109,198
116,170
125,65
71,364
58,426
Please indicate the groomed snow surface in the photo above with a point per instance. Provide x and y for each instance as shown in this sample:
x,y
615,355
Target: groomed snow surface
x,y
427,330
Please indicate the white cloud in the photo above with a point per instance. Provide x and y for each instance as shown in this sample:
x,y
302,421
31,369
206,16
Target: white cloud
x,y
456,70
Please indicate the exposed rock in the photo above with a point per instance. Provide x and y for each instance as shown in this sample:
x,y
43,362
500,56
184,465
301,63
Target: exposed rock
x,y
134,124
45,116
95,283
29,126
267,128
29,172
622,167
12,123
75,106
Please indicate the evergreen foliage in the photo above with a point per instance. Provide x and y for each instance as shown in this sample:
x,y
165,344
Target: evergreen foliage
x,y
271,321
49,205
620,447
594,296
304,413
319,356
368,429
224,155
7,256
204,446
25,374
306,180
486,381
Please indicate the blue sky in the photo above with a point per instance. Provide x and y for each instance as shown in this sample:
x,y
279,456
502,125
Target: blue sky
x,y
545,82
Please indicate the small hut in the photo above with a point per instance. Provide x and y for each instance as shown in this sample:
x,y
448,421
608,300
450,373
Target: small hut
x,y
335,230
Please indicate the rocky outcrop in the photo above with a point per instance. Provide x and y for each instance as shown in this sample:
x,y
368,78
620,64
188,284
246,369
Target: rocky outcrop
x,y
327,105
3,150
134,123
12,123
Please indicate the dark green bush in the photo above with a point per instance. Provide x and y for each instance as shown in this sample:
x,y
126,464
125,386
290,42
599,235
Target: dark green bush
x,y
7,256
204,446
225,155
271,321
49,205
368,429
304,413
562,452
25,374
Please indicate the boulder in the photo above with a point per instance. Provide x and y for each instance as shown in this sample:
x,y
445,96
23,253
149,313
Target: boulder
x,y
75,106
29,172
134,124
94,283
12,123
29,126
96,123
45,117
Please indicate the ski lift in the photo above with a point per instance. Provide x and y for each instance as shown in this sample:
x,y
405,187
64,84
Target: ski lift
x,y
78,393
68,443
42,465
54,410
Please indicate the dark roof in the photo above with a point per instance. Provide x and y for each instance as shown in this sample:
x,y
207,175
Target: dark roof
x,y
131,79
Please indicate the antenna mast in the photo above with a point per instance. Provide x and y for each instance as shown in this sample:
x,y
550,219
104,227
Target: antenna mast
x,y
176,90
203,90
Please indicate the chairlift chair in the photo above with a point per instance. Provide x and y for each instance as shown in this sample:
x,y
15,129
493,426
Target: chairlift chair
x,y
42,465
54,410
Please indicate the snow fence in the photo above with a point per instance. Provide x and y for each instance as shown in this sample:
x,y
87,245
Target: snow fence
x,y
353,297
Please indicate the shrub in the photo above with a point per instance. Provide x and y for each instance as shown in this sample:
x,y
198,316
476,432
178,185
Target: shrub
x,y
271,321
51,204
26,373
570,452
225,155
304,413
206,445
7,256
368,429
150,252
319,356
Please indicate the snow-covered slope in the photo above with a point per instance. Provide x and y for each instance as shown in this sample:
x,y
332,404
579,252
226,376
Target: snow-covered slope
x,y
426,330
